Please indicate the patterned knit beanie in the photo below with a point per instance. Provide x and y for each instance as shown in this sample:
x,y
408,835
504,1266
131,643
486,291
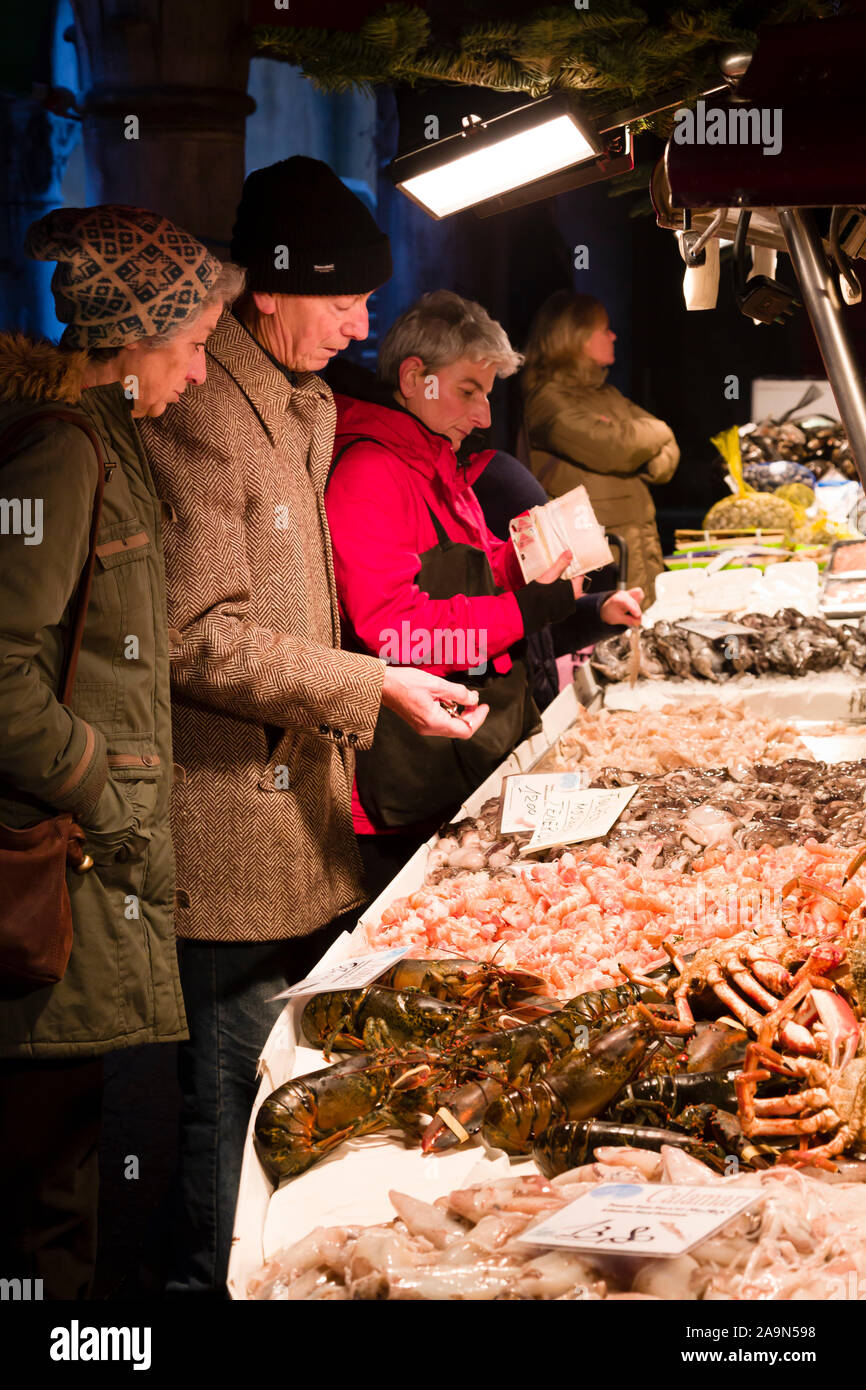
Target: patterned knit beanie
x,y
300,230
122,273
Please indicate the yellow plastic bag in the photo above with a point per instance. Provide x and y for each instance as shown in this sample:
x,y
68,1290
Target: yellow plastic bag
x,y
728,445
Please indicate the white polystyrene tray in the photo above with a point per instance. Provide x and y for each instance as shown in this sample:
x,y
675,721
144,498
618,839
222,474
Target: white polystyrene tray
x,y
370,1168
693,593
821,695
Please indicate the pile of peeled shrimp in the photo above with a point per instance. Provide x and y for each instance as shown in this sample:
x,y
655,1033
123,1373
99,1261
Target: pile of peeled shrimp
x,y
804,1238
700,733
578,920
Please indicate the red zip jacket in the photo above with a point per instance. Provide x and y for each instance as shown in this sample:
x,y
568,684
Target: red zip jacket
x,y
377,503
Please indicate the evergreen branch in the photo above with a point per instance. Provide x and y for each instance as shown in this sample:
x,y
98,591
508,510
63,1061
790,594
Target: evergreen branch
x,y
612,47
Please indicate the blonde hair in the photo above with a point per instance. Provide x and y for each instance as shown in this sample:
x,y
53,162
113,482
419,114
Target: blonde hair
x,y
558,336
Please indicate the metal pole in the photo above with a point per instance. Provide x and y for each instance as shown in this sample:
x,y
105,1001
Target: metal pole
x,y
821,295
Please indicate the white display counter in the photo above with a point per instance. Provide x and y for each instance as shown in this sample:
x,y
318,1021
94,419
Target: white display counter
x,y
266,1220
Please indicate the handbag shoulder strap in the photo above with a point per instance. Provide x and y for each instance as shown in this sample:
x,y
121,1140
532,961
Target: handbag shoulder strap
x,y
11,437
441,534
350,444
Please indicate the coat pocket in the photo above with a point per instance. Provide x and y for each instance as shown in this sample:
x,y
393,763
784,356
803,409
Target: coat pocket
x,y
135,767
129,844
119,634
279,766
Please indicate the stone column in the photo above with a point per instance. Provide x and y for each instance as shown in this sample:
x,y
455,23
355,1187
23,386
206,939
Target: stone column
x,y
166,107
36,146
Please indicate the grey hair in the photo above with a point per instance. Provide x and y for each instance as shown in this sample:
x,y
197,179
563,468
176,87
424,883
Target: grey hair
x,y
227,287
441,328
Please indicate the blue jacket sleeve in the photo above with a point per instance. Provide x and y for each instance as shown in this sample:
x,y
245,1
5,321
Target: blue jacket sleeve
x,y
584,627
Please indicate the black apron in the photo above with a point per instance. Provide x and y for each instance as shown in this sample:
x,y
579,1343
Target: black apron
x,y
407,777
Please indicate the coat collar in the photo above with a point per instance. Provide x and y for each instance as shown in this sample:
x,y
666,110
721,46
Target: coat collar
x,y
589,374
265,385
35,370
404,434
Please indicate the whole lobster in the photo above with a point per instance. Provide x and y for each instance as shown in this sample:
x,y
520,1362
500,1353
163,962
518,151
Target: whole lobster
x,y
515,1056
576,1086
478,983
375,1017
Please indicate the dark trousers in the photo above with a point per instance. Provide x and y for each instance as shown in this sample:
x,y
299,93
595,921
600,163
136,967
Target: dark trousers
x,y
383,856
50,1120
228,991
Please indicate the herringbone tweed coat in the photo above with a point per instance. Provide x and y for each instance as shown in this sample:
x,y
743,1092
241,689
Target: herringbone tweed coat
x,y
266,708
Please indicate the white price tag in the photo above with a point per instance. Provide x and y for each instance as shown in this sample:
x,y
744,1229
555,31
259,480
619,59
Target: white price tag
x,y
569,817
627,1218
524,794
347,974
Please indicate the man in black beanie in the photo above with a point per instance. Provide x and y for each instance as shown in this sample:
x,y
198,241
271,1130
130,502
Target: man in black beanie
x,y
267,710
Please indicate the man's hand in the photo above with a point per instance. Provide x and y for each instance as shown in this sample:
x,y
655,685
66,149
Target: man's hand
x,y
416,695
556,570
623,607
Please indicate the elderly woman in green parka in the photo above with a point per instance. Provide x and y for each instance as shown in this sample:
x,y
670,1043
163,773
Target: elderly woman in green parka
x,y
139,296
583,431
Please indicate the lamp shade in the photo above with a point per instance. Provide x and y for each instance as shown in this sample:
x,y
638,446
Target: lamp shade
x,y
493,157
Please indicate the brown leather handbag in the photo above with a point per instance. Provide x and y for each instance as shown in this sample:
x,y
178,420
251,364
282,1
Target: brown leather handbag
x,y
35,910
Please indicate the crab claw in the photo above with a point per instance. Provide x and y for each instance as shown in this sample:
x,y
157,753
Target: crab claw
x,y
827,955
797,1039
663,1024
843,1030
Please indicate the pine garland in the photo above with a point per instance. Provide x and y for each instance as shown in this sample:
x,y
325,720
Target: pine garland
x,y
611,49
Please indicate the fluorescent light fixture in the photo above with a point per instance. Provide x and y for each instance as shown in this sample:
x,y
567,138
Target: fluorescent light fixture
x,y
493,157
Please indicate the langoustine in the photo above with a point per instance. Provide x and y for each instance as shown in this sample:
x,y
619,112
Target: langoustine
x,y
584,919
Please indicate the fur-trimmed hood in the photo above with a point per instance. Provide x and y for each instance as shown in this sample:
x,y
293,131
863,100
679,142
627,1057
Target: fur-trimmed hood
x,y
35,370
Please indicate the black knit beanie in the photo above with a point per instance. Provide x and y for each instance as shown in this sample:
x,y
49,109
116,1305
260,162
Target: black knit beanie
x,y
300,230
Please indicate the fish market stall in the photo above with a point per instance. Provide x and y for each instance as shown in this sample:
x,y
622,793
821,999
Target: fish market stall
x,y
633,967
719,897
